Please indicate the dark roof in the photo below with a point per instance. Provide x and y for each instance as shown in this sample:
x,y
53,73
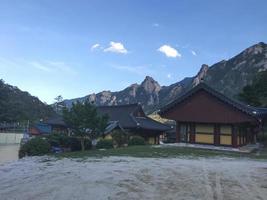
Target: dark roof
x,y
125,115
121,113
250,110
43,128
56,121
148,123
113,125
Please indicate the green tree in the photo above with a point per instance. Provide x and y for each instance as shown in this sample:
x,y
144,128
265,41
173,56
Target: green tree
x,y
256,93
84,121
59,104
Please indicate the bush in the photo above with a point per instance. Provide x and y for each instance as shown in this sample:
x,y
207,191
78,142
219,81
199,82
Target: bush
x,y
75,144
35,147
136,140
59,140
104,144
262,138
119,138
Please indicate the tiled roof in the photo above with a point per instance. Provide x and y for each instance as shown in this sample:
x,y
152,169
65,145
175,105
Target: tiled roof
x,y
125,116
250,110
56,121
121,113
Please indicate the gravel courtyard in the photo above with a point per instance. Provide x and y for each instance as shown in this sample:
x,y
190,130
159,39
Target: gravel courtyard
x,y
46,178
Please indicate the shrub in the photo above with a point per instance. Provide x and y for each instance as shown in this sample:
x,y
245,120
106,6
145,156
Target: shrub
x,y
119,138
262,138
104,144
136,140
59,140
75,144
35,147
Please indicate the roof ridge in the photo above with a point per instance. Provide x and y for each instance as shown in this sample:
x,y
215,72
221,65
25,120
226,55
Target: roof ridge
x,y
236,104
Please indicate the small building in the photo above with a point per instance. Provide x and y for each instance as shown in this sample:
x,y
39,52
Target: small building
x,y
55,124
205,116
40,129
131,119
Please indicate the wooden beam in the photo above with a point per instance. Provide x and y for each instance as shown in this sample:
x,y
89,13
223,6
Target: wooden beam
x,y
177,132
192,132
234,136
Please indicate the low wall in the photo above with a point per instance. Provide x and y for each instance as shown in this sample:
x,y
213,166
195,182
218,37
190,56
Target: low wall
x,y
10,138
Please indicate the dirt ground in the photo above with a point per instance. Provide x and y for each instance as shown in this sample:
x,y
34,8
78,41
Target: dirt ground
x,y
46,178
8,152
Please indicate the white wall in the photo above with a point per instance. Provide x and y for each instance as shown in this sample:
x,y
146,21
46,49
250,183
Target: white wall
x,y
10,138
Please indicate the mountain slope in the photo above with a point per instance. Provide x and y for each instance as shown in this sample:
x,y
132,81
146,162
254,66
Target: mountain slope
x,y
229,77
16,105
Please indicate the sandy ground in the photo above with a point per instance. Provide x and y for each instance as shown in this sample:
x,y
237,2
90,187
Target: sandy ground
x,y
8,152
46,178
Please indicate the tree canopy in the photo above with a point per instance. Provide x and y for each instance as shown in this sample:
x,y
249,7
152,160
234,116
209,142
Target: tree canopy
x,y
256,93
84,120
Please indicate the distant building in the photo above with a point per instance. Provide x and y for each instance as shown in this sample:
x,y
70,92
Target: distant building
x,y
52,125
132,120
206,116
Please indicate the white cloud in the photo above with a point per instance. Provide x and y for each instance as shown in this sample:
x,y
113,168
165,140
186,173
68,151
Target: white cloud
x,y
169,51
52,66
155,25
40,66
116,47
95,46
194,53
169,76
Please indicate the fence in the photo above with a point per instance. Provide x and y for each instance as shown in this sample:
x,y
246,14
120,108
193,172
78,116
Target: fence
x,y
10,137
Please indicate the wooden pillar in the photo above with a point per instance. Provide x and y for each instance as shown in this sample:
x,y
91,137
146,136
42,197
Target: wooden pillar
x,y
217,134
177,132
192,132
234,136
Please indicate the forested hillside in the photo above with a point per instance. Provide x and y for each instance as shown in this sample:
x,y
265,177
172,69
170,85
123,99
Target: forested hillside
x,y
16,105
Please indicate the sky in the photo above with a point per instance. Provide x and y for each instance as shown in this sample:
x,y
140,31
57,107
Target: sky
x,y
74,48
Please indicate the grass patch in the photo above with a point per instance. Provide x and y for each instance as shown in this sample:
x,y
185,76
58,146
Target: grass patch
x,y
161,152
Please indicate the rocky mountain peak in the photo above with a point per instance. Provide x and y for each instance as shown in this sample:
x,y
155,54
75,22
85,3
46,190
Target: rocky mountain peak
x,y
201,74
255,49
227,76
150,85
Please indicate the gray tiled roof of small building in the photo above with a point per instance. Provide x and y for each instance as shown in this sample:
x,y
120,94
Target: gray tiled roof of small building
x,y
124,115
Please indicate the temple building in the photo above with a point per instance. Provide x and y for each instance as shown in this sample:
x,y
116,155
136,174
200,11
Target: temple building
x,y
205,116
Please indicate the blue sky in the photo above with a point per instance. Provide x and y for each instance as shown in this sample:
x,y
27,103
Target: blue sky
x,y
73,48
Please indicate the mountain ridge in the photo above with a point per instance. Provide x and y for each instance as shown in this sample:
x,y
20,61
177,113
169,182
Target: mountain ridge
x,y
227,76
18,106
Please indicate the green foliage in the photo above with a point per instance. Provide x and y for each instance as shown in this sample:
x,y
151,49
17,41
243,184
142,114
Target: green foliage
x,y
119,138
64,141
83,118
35,147
59,140
136,140
59,105
104,144
18,106
84,121
256,93
75,144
